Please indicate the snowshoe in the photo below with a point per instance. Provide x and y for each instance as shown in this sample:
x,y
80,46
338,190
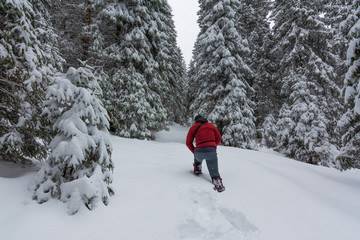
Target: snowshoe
x,y
218,185
197,169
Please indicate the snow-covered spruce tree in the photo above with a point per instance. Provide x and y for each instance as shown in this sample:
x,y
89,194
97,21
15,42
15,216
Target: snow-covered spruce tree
x,y
82,32
269,132
78,171
220,77
349,124
46,34
170,83
24,75
334,13
302,128
163,72
131,54
71,19
311,96
255,27
137,117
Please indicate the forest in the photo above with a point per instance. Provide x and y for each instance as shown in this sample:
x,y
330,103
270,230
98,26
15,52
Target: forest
x,y
284,74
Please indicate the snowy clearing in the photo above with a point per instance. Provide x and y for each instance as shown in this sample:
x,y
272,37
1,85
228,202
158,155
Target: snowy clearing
x,y
267,197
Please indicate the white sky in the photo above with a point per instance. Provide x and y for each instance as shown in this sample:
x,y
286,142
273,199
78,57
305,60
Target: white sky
x,y
185,17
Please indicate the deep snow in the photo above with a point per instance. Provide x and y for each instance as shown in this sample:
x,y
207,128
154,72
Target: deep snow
x,y
267,197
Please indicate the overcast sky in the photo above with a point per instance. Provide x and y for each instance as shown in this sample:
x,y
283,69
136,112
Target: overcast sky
x,y
185,17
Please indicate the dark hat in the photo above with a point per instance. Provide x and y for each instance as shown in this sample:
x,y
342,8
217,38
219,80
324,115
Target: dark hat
x,y
197,117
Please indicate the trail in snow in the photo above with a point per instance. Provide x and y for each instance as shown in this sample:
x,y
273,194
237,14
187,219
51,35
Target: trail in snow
x,y
207,218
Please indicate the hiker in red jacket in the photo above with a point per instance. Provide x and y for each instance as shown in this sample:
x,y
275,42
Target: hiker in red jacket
x,y
207,138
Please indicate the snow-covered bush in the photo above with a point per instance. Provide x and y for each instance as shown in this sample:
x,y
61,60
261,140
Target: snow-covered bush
x,y
79,169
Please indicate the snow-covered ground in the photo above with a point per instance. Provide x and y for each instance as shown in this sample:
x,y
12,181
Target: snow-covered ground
x,y
267,197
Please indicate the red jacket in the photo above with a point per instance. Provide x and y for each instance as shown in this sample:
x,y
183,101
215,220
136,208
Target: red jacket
x,y
207,135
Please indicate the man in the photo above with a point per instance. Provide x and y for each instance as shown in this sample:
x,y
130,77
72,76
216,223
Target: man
x,y
207,138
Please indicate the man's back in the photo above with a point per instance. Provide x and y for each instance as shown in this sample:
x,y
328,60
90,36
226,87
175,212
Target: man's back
x,y
206,135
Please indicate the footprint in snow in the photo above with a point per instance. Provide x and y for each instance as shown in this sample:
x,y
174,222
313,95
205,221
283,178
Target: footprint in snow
x,y
207,219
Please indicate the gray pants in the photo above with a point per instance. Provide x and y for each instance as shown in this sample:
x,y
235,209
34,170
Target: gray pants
x,y
211,162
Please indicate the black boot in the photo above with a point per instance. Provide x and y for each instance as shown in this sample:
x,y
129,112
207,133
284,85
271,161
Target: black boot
x,y
218,185
197,168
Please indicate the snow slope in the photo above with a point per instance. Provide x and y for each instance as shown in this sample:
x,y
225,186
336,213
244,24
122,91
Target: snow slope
x,y
267,197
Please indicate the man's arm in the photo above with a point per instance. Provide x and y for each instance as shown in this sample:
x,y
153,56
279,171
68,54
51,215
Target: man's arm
x,y
189,140
217,136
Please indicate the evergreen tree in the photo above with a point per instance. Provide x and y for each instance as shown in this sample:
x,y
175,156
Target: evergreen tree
x,y
172,70
311,96
46,34
79,169
255,27
335,12
219,81
132,69
139,52
349,124
25,56
73,20
137,117
269,132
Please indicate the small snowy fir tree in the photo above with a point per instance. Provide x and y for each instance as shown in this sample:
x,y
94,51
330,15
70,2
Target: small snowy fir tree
x,y
349,124
269,132
219,81
310,94
79,170
24,75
